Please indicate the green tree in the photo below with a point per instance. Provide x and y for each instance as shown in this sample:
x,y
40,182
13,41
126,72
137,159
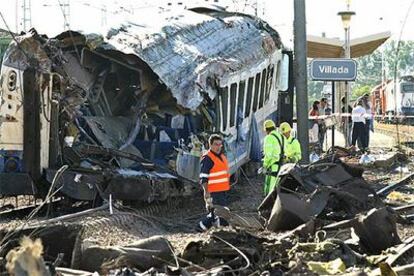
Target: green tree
x,y
360,91
369,67
314,91
405,58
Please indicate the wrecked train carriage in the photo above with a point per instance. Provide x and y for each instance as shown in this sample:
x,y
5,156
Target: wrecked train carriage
x,y
115,107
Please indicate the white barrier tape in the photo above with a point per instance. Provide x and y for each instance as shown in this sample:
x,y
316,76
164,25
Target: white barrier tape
x,y
321,117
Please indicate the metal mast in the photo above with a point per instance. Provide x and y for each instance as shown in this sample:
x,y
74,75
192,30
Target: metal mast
x,y
27,15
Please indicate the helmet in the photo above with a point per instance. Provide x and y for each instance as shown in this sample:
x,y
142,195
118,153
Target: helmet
x,y
269,124
285,127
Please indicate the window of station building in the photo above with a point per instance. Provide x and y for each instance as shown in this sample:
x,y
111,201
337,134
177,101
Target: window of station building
x,y
256,92
233,98
270,73
262,88
224,100
240,100
249,97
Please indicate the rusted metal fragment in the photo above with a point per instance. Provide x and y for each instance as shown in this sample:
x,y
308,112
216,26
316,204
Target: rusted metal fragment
x,y
290,210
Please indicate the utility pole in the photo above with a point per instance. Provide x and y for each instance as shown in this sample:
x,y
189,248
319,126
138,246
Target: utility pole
x,y
300,69
66,14
27,15
17,17
103,16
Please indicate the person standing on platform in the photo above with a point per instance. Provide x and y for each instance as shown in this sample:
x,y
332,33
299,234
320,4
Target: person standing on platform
x,y
358,130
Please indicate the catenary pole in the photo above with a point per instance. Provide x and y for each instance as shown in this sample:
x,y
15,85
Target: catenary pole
x,y
300,69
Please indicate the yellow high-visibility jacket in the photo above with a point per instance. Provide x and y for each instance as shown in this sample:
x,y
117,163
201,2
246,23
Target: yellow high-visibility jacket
x,y
293,151
273,149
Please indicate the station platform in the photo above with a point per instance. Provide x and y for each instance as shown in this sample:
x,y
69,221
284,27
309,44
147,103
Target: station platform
x,y
377,140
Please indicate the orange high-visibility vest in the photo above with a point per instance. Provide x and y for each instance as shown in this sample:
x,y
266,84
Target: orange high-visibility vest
x,y
219,177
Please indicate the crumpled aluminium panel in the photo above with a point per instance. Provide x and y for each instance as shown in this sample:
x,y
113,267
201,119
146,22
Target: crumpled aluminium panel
x,y
188,51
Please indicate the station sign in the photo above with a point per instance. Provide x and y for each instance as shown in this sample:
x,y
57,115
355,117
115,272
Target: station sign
x,y
333,69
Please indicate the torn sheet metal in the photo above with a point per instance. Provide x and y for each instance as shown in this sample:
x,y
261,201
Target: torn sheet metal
x,y
183,50
29,52
289,210
377,230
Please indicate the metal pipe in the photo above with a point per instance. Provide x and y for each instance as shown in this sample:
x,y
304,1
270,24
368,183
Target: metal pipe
x,y
333,112
300,69
347,87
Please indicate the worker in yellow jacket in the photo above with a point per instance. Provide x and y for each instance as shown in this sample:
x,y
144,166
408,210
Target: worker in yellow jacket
x,y
273,150
293,152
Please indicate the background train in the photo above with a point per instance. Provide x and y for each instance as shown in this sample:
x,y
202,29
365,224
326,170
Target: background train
x,y
127,113
389,99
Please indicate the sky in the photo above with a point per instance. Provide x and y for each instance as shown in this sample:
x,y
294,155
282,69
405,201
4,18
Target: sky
x,y
372,16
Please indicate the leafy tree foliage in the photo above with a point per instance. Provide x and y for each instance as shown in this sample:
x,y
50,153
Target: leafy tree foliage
x,y
369,67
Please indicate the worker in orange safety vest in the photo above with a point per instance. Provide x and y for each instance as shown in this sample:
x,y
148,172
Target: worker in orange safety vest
x,y
215,180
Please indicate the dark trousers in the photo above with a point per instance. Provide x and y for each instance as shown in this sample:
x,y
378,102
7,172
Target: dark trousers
x,y
219,198
367,132
321,134
359,133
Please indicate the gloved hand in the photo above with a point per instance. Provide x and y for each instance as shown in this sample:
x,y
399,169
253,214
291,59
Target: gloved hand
x,y
262,170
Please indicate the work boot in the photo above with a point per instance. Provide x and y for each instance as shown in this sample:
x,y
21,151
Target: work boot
x,y
200,228
220,222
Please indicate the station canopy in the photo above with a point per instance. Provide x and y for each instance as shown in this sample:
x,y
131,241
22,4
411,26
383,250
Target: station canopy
x,y
323,47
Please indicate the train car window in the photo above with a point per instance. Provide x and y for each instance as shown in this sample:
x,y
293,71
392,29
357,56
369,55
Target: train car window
x,y
218,114
270,74
262,88
256,92
240,99
224,101
233,98
407,88
278,73
249,97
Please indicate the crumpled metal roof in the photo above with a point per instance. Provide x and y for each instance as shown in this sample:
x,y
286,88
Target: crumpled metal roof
x,y
188,50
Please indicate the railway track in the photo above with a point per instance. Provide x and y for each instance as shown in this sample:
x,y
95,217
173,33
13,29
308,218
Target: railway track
x,y
405,133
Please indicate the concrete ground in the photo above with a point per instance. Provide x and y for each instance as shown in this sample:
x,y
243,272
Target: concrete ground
x,y
377,140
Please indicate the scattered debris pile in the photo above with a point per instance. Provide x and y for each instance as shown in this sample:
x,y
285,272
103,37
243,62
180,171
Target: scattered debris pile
x,y
323,219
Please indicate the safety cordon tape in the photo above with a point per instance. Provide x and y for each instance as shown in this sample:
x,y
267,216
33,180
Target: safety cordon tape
x,y
321,117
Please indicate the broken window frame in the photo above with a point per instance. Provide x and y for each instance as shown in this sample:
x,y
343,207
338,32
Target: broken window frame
x,y
270,74
224,103
255,98
263,86
233,103
241,99
219,114
248,106
277,73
